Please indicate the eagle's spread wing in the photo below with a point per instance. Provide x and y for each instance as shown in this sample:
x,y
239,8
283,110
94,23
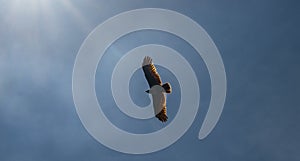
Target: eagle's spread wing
x,y
159,104
150,72
162,115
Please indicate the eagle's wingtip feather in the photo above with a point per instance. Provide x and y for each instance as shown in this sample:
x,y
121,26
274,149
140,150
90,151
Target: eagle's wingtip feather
x,y
147,60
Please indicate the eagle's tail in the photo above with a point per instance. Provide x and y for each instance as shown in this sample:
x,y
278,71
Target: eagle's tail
x,y
167,87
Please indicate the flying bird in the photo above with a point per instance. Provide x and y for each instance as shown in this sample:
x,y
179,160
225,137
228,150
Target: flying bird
x,y
157,89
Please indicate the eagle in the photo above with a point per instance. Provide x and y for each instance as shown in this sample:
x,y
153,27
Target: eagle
x,y
157,89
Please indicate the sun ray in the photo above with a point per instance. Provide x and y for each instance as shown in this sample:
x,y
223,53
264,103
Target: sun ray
x,y
78,16
33,19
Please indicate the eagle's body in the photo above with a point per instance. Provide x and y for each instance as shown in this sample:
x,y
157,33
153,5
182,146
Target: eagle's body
x,y
157,89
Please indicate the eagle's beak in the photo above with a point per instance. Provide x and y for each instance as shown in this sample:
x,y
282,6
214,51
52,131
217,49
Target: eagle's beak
x,y
147,91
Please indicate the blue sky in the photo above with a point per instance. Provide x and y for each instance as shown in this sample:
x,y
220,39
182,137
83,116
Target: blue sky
x,y
259,44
